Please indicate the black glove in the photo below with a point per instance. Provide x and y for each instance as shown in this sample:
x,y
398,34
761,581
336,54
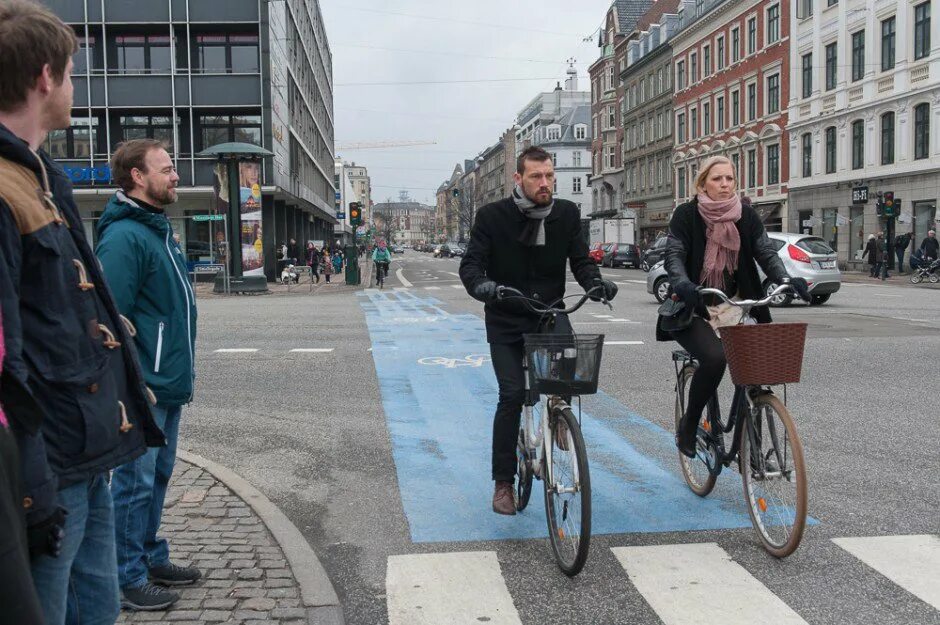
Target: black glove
x,y
801,287
687,292
486,291
45,537
610,289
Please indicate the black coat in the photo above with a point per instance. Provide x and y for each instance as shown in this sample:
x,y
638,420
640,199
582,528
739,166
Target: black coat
x,y
931,248
495,253
872,251
685,256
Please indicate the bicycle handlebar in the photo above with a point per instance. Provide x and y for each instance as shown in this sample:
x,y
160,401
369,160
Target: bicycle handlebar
x,y
504,291
747,304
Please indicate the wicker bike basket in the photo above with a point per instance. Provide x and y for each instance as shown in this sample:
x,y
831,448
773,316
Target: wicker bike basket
x,y
563,364
764,354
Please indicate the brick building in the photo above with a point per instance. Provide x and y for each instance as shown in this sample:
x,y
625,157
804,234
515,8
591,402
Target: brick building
x,y
731,65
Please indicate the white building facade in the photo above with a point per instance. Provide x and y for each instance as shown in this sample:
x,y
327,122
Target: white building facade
x,y
568,140
864,114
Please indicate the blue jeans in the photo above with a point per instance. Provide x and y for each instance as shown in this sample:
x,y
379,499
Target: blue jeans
x,y
80,587
139,489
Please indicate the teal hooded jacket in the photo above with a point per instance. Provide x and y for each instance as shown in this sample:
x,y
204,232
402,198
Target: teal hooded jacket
x,y
146,271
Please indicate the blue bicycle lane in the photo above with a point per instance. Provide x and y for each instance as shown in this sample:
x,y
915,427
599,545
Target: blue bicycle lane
x,y
439,393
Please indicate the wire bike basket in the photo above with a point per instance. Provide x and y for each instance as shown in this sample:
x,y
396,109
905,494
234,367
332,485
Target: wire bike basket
x,y
764,354
563,364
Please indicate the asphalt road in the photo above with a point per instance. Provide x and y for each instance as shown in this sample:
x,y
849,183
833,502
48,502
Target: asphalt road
x,y
375,456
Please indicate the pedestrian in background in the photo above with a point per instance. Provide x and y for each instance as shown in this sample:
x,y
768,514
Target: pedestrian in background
x,y
337,262
901,244
931,246
146,271
293,252
65,339
872,252
313,261
327,266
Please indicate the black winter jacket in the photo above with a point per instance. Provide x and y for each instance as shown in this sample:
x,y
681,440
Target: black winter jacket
x,y
685,255
495,253
68,352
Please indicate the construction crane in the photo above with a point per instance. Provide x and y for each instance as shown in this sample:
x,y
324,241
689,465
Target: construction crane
x,y
371,145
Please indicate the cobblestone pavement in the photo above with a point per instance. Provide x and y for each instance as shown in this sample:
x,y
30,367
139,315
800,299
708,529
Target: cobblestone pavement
x,y
246,578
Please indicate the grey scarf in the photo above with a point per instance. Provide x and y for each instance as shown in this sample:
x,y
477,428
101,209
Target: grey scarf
x,y
534,232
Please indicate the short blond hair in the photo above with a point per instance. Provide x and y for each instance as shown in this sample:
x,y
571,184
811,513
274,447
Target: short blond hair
x,y
707,167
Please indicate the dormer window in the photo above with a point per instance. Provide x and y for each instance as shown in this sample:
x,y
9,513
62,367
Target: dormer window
x,y
580,132
554,133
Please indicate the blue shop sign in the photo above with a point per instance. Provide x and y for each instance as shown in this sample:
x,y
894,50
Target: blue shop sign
x,y
85,175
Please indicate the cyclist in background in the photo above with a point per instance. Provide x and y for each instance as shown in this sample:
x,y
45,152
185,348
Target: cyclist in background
x,y
381,257
523,242
714,240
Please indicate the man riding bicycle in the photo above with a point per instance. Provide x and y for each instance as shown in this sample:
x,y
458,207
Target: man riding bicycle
x,y
714,241
381,257
522,242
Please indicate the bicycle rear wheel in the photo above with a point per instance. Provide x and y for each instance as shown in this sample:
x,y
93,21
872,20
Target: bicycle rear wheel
x,y
524,461
695,470
568,492
774,476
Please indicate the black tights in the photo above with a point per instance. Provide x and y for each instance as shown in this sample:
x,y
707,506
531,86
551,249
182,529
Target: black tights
x,y
701,341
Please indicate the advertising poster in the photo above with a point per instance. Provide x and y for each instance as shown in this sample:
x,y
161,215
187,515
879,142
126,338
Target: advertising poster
x,y
249,179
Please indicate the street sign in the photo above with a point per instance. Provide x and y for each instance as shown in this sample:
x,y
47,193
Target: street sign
x,y
859,195
361,230
340,215
208,268
208,217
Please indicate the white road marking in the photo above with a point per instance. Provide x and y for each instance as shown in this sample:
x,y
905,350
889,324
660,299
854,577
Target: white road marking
x,y
435,588
312,350
886,295
911,562
691,584
432,288
240,350
401,277
636,281
623,342
453,273
603,316
625,321
456,286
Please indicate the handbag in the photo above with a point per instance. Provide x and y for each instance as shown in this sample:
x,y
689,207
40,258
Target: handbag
x,y
674,315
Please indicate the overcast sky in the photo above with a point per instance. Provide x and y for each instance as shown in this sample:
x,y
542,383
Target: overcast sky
x,y
413,41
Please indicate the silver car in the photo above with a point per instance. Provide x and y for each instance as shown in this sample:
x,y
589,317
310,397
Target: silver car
x,y
803,255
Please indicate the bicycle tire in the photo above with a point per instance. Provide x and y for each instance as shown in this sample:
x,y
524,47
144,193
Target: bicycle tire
x,y
566,538
696,473
524,470
755,485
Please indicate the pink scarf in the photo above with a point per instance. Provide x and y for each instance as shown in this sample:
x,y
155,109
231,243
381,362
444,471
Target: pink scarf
x,y
723,242
3,418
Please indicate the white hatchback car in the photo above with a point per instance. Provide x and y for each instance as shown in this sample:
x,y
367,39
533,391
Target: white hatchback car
x,y
804,256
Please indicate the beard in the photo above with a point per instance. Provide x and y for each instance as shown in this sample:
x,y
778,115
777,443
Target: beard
x,y
165,196
542,197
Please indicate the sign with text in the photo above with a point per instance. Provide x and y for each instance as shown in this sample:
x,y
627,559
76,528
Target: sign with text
x,y
208,268
208,217
859,195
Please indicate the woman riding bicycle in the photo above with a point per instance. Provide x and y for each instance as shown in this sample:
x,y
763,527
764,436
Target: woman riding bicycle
x,y
714,241
382,257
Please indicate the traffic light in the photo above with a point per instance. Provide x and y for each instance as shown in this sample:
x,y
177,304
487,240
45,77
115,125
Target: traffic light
x,y
889,206
355,214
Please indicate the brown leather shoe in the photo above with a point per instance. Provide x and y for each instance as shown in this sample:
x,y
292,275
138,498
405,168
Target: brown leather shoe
x,y
504,500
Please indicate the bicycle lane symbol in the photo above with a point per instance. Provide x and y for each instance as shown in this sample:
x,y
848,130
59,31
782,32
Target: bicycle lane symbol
x,y
471,360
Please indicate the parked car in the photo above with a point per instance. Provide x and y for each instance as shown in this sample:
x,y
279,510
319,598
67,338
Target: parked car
x,y
596,253
397,249
457,251
621,254
804,256
653,254
443,251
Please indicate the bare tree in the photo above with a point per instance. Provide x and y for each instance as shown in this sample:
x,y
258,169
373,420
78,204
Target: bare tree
x,y
466,208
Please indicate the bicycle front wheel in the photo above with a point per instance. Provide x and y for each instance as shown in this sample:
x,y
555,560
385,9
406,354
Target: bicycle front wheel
x,y
774,476
567,492
695,470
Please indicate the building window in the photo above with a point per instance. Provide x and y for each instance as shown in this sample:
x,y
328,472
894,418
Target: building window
x,y
680,75
159,127
858,144
922,131
735,107
807,75
576,158
720,109
804,8
554,159
610,77
707,60
735,44
78,141
580,133
921,30
611,157
706,118
611,116
80,61
721,53
773,164
752,102
858,55
773,93
215,129
773,24
831,3
807,155
736,164
693,67
751,169
142,54
887,139
693,123
576,185
887,44
831,150
232,54
680,127
554,133
680,183
752,35
831,60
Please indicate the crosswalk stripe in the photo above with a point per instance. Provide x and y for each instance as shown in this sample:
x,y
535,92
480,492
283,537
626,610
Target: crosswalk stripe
x,y
456,286
432,288
241,350
911,562
312,350
623,342
465,588
693,583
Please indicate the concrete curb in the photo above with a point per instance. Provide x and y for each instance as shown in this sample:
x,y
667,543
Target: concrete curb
x,y
316,589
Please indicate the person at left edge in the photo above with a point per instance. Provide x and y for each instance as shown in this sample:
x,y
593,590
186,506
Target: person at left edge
x,y
66,343
147,273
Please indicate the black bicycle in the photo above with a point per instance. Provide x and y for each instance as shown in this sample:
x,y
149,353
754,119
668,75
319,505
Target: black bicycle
x,y
764,444
559,367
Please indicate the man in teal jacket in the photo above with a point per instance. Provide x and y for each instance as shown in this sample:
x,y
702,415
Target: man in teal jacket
x,y
147,274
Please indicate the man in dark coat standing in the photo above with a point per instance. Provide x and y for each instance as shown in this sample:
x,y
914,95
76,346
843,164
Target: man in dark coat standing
x,y
931,246
523,242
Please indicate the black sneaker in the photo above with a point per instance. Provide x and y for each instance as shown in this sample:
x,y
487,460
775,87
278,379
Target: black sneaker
x,y
147,598
170,574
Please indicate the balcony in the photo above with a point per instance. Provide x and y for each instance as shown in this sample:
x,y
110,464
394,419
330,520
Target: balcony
x,y
886,84
920,73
